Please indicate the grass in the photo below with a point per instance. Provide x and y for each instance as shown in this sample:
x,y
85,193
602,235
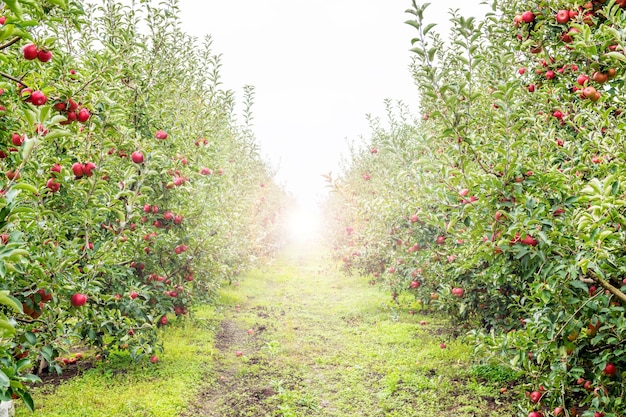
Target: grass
x,y
322,345
123,388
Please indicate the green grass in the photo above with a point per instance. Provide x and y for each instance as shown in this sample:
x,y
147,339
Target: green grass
x,y
123,388
323,345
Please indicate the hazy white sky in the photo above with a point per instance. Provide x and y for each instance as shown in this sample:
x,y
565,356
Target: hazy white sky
x,y
318,67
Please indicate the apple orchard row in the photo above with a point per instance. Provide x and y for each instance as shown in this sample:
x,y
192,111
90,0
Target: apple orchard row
x,y
503,205
130,190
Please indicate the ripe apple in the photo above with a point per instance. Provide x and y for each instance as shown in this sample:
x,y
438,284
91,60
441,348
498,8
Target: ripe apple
x,y
528,17
562,17
133,295
610,369
17,139
205,171
550,74
582,79
160,134
600,77
53,186
414,218
558,114
137,157
531,88
154,359
78,300
442,345
238,353
83,115
535,414
535,396
38,98
250,331
45,296
88,167
30,51
3,20
163,320
529,241
458,292
415,284
44,56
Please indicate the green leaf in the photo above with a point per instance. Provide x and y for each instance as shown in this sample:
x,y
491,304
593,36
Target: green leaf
x,y
4,380
15,7
616,55
28,400
57,133
6,328
11,302
429,27
25,187
60,3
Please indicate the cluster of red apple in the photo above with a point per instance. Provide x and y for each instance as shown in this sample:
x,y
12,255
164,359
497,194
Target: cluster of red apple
x,y
72,111
79,170
31,52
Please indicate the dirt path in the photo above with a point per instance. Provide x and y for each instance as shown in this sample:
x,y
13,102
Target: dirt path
x,y
316,343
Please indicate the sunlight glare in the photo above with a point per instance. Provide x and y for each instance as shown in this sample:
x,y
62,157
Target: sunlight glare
x,y
304,224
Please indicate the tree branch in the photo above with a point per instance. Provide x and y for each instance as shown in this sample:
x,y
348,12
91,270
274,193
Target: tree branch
x,y
9,43
12,78
616,292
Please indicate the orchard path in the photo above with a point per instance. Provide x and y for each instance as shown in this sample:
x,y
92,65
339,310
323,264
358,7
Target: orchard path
x,y
324,344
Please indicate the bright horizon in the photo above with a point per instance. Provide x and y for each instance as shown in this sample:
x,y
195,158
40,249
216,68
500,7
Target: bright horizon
x,y
318,72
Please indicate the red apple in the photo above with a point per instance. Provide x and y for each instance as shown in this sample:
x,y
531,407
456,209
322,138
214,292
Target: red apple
x,y
582,79
77,169
30,51
137,157
238,353
154,359
562,16
160,134
17,139
528,17
38,98
88,167
535,396
458,292
44,56
78,300
529,241
83,115
610,369
133,294
53,186
163,320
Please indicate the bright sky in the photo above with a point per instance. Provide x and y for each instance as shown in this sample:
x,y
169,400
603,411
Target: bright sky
x,y
319,67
